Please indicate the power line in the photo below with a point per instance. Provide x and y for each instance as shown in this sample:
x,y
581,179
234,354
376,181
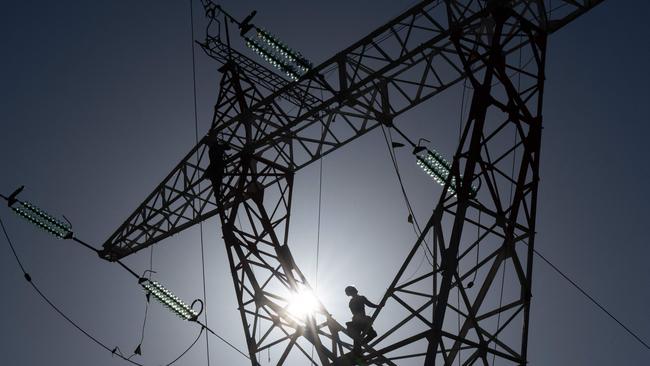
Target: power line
x,y
582,291
188,348
146,306
59,311
226,342
196,138
144,324
478,244
125,267
601,307
86,333
416,226
320,201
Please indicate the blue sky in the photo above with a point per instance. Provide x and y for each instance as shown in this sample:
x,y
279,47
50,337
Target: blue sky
x,y
96,108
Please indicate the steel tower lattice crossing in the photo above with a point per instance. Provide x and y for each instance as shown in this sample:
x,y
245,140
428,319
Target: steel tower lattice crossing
x,y
274,127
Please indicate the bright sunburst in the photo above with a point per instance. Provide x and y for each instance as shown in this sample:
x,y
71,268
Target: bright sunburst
x,y
303,304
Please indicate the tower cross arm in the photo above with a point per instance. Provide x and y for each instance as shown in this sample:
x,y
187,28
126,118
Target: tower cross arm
x,y
401,64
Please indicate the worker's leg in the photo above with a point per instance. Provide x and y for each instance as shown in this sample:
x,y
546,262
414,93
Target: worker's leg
x,y
371,334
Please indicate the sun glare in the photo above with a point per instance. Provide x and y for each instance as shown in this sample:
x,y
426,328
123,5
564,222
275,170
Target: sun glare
x,y
303,304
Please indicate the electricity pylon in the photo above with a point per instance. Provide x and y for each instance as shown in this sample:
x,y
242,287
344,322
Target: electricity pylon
x,y
266,128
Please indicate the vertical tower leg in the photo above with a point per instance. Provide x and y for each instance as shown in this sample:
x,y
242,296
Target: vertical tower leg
x,y
504,126
461,308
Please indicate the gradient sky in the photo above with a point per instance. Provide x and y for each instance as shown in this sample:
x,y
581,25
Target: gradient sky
x,y
96,108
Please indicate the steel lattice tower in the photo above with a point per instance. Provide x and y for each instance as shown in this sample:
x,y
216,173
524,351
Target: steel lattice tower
x,y
275,127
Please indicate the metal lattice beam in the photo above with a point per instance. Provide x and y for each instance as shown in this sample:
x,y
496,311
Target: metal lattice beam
x,y
411,68
275,128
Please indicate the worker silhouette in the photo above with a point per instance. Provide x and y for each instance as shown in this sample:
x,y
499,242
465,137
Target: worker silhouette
x,y
360,328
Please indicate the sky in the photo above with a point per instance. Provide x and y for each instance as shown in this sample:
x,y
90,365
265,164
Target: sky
x,y
96,108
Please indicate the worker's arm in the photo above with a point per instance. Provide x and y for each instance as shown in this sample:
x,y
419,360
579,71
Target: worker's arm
x,y
368,303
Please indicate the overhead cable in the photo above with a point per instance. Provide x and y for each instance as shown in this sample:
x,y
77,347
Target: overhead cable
x,y
594,301
196,140
414,223
53,306
125,267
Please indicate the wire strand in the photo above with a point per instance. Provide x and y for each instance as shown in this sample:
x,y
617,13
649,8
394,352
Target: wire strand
x,y
416,226
188,348
227,342
73,323
144,323
320,200
594,301
146,303
196,138
53,306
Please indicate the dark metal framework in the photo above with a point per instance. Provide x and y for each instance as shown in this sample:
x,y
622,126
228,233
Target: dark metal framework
x,y
479,245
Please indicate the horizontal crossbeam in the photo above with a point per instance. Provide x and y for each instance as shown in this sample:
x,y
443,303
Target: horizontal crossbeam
x,y
396,67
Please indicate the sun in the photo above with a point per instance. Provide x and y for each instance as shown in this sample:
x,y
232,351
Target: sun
x,y
303,304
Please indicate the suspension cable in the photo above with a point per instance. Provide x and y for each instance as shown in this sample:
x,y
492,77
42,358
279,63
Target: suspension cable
x,y
52,305
416,226
124,266
196,139
67,318
594,301
320,203
460,133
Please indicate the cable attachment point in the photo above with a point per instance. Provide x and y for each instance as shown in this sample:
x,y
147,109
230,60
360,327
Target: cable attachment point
x,y
419,148
145,273
246,25
12,197
194,318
